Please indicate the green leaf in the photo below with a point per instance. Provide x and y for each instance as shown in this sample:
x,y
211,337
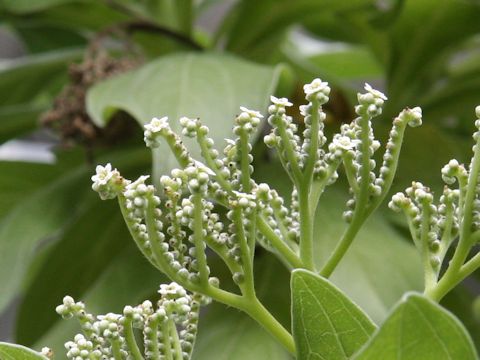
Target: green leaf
x,y
18,352
418,328
31,221
256,23
34,75
208,86
18,119
26,6
417,53
96,238
326,323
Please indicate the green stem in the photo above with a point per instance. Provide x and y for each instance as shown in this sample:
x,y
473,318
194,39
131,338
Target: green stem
x,y
361,212
318,186
177,348
153,339
283,249
257,311
349,167
306,229
312,151
198,238
342,247
117,354
244,163
290,153
247,264
167,346
130,340
430,278
133,234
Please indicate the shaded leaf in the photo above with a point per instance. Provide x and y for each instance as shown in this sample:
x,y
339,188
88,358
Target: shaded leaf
x,y
18,352
208,86
32,76
418,328
96,238
326,323
256,23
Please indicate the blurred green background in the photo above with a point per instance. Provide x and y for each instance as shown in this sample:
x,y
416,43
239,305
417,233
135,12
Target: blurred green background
x,y
77,78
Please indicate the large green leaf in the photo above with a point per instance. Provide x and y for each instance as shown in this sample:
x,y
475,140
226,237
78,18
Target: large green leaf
x,y
34,75
326,323
31,221
256,23
18,352
96,238
208,86
418,328
18,119
128,280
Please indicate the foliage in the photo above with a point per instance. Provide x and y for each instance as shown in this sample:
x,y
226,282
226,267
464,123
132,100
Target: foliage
x,y
186,71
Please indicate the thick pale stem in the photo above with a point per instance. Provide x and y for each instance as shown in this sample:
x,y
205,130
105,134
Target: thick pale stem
x,y
177,348
314,144
244,163
283,249
247,265
359,215
167,344
306,229
130,340
200,255
117,354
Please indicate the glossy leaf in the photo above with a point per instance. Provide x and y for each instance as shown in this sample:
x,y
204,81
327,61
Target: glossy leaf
x,y
418,328
326,323
18,352
209,86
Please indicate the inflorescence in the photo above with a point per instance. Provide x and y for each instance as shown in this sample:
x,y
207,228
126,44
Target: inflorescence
x,y
434,227
168,330
174,224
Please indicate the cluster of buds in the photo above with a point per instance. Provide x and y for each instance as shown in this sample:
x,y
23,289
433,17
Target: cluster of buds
x,y
169,329
435,227
174,223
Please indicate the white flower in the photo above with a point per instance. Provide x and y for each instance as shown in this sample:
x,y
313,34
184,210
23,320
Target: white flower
x,y
375,93
172,290
345,143
281,102
157,125
103,174
316,86
251,113
107,182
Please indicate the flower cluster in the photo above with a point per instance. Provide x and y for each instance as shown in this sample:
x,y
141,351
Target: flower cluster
x,y
178,222
169,329
435,227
